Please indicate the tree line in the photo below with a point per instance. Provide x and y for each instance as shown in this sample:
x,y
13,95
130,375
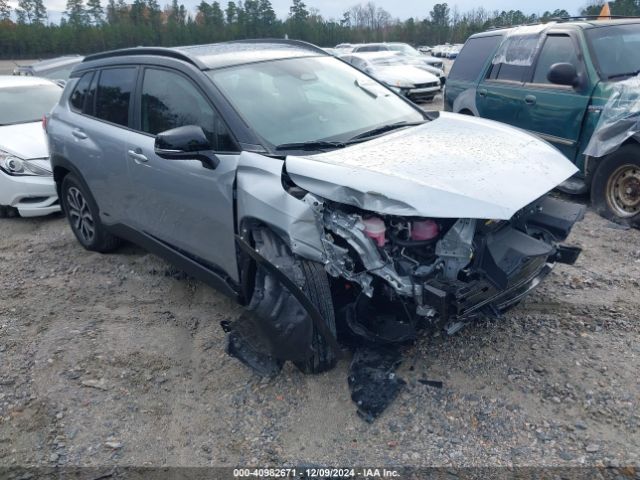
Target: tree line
x,y
90,27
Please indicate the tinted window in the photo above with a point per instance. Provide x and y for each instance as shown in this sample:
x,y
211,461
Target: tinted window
x,y
170,100
80,92
473,57
114,93
513,73
556,49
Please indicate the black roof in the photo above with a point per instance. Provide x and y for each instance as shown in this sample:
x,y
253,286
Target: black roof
x,y
225,54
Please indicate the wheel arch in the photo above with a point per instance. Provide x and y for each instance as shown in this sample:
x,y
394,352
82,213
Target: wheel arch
x,y
61,168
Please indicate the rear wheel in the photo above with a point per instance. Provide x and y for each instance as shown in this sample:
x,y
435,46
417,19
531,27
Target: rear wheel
x,y
82,213
615,188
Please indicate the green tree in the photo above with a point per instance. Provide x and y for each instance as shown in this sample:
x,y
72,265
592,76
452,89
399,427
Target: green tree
x,y
95,12
112,12
440,14
217,15
268,19
5,10
76,13
138,12
39,12
298,11
231,13
25,11
298,16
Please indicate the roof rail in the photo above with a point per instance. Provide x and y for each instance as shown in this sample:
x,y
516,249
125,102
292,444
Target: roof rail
x,y
181,52
566,19
593,17
284,41
161,51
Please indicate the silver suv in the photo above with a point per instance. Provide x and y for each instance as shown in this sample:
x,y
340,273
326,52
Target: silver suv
x,y
308,191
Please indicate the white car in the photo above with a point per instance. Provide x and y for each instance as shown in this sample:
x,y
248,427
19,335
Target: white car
x,y
393,70
26,182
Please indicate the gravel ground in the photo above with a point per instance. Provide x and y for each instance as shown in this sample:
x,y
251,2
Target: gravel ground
x,y
119,359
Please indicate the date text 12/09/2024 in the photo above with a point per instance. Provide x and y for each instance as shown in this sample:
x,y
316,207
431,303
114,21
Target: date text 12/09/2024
x,y
304,473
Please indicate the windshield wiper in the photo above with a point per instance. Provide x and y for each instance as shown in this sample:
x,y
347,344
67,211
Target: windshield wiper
x,y
384,129
311,145
628,74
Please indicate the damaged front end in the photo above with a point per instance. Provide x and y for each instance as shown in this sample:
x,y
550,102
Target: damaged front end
x,y
439,272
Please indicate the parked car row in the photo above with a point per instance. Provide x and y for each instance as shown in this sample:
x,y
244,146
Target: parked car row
x,y
400,48
446,51
411,80
573,84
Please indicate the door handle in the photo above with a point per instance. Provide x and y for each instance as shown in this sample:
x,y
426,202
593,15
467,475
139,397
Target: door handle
x,y
137,156
79,134
530,100
482,92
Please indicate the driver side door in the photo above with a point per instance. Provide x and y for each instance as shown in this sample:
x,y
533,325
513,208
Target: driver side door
x,y
180,203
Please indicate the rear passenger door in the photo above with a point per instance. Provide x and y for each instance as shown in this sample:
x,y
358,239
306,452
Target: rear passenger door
x,y
100,131
180,202
555,112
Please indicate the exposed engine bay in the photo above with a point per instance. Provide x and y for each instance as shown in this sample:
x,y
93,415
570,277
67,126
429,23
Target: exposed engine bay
x,y
388,268
446,271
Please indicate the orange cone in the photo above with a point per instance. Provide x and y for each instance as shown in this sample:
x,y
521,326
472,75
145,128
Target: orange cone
x,y
605,13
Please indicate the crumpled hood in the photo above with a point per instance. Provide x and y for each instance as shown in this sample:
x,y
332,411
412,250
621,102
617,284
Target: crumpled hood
x,y
453,167
25,140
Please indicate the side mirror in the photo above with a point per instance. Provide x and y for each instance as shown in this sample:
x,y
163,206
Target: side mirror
x,y
564,74
186,143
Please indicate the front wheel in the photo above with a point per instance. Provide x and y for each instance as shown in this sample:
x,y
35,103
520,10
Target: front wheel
x,y
270,298
82,213
615,188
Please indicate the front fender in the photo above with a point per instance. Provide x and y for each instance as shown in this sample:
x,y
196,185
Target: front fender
x,y
261,198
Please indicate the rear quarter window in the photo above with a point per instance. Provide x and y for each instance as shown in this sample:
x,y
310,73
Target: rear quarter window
x,y
80,92
473,57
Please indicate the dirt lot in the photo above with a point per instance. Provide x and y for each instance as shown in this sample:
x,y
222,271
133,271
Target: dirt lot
x,y
119,359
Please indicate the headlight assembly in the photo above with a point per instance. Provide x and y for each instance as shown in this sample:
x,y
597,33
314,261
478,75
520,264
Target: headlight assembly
x,y
13,165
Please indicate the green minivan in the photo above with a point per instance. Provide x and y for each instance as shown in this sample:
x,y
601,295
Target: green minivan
x,y
573,83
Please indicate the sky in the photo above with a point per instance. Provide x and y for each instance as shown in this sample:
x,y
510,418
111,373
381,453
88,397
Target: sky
x,y
402,9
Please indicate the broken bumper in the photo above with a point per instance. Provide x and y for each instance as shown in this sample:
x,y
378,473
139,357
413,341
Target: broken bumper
x,y
509,262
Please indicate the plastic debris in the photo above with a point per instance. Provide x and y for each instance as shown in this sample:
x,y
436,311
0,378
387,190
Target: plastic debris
x,y
619,120
373,381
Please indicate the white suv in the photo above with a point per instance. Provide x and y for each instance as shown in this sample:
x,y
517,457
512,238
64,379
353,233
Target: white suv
x,y
26,181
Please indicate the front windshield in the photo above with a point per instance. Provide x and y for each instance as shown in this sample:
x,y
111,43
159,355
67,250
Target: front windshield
x,y
310,99
27,103
616,49
404,48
